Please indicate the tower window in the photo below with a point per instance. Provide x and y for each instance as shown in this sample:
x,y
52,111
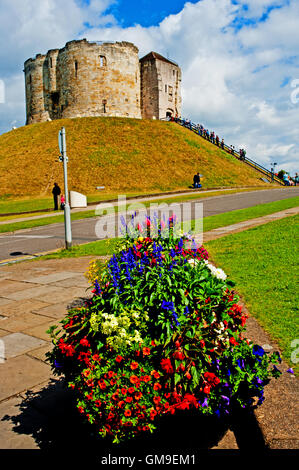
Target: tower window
x,y
170,93
76,69
104,105
103,61
51,64
165,88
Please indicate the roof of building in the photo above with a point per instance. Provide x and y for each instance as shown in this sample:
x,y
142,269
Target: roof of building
x,y
155,55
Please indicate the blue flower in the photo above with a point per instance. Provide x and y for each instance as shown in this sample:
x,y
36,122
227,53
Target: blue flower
x,y
258,350
205,402
290,371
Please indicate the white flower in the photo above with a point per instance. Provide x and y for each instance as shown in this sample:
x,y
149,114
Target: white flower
x,y
217,272
193,261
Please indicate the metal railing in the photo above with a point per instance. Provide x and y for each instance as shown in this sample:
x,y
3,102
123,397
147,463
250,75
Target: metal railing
x,y
195,128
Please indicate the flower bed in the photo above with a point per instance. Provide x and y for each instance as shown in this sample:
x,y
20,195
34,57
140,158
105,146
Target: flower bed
x,y
163,332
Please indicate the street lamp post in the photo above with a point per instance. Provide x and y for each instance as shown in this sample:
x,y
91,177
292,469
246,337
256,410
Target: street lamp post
x,y
67,212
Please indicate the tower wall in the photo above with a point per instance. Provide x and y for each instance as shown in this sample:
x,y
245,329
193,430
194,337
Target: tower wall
x,y
34,88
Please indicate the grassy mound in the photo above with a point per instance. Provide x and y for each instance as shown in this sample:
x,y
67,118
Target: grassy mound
x,y
118,153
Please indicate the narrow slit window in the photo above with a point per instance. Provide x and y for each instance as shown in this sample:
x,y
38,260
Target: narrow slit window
x,y
165,88
103,61
76,69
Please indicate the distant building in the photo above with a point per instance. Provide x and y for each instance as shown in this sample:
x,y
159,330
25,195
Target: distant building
x,y
101,79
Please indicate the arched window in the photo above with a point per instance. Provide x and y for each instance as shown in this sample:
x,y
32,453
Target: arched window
x,y
103,61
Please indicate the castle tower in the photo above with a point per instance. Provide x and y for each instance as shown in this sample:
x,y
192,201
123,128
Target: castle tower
x,y
160,87
83,79
101,79
35,103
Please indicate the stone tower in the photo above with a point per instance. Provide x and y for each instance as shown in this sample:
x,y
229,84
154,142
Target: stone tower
x,y
100,79
160,87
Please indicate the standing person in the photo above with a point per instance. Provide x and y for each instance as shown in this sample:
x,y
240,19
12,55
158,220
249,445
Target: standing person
x,y
222,144
217,140
56,192
296,179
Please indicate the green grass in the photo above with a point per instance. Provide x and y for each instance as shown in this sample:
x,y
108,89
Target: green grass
x,y
99,248
239,215
263,263
122,154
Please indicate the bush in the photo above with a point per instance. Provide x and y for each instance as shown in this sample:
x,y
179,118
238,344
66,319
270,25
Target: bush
x,y
163,332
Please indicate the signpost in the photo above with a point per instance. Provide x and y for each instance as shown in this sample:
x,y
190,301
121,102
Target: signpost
x,y
67,212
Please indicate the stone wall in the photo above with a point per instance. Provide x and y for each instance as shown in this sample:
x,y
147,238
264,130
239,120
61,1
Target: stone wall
x,y
100,79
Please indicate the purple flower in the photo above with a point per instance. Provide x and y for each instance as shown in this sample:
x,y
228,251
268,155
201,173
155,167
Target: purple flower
x,y
205,402
290,371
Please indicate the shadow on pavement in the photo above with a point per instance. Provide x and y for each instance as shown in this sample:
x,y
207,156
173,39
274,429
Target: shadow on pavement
x,y
50,416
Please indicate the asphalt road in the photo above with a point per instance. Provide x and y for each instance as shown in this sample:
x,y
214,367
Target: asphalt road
x,y
51,237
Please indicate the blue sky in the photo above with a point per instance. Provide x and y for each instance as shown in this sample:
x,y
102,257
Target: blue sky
x,y
144,12
239,59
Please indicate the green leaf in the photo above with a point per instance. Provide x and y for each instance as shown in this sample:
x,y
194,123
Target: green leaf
x,y
177,378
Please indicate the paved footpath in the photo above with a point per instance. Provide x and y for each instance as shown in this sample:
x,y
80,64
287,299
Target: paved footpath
x,y
36,411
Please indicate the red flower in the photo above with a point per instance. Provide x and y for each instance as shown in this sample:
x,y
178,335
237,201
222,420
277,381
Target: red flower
x,y
233,341
134,365
147,378
146,351
138,395
157,375
207,389
128,413
124,391
84,342
178,355
167,366
102,384
129,399
156,400
157,386
131,390
119,358
188,375
202,343
133,379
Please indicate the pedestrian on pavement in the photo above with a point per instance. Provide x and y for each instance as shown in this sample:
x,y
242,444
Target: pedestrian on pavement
x,y
296,179
56,192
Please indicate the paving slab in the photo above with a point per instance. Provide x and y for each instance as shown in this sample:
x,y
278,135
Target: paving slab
x,y
57,311
22,306
40,353
40,330
21,373
22,321
8,286
4,301
50,278
77,281
43,292
13,432
17,344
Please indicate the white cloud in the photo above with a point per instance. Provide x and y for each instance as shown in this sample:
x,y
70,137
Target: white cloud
x,y
237,75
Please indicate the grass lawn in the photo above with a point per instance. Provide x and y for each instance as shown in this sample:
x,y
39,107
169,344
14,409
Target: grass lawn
x,y
233,217
263,261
